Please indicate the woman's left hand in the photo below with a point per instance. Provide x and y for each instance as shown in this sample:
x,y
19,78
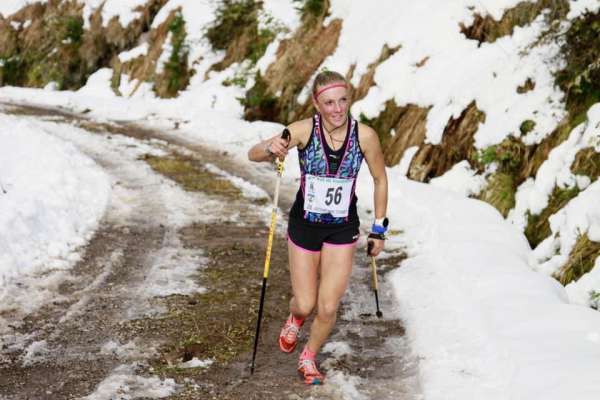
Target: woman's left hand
x,y
376,246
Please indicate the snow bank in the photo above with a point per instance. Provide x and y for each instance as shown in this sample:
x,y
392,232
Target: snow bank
x,y
484,325
51,200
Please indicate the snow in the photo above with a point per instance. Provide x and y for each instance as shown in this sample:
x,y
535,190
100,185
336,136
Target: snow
x,y
51,202
122,10
457,72
9,7
196,363
483,317
581,215
124,384
484,325
461,178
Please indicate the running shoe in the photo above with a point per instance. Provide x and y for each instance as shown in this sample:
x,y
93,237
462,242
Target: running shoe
x,y
309,372
288,338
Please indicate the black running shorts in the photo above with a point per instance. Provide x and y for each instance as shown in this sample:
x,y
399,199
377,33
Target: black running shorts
x,y
311,237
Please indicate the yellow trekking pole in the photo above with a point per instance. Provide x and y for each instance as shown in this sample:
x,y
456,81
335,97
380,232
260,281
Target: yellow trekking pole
x,y
285,135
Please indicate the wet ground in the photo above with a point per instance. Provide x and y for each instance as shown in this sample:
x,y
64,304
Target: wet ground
x,y
103,301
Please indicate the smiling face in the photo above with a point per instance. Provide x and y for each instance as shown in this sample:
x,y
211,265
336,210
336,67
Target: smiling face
x,y
332,101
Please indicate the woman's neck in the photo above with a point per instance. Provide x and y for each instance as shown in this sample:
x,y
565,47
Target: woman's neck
x,y
331,129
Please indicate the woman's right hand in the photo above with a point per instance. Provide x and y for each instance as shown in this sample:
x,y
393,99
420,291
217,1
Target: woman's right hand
x,y
277,147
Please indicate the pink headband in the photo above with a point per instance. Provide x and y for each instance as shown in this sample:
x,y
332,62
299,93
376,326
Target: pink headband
x,y
329,87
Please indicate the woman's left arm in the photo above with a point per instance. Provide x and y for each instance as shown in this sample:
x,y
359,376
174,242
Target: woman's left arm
x,y
369,143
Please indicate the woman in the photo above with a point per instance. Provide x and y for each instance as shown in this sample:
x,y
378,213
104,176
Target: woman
x,y
323,225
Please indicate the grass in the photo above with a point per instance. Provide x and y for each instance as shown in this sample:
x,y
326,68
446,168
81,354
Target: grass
x,y
538,226
587,162
500,192
191,175
581,260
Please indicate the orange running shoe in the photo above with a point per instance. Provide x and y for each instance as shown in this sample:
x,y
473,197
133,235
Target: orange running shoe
x,y
288,338
308,371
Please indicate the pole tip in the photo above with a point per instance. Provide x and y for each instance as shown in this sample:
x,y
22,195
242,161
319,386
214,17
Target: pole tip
x,y
379,314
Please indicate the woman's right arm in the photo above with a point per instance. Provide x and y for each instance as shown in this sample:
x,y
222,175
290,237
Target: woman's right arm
x,y
276,146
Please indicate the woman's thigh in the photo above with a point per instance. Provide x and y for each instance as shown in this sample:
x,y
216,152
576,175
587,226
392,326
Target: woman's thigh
x,y
304,270
336,268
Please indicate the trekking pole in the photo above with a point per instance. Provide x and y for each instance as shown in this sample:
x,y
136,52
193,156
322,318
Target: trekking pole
x,y
374,272
285,135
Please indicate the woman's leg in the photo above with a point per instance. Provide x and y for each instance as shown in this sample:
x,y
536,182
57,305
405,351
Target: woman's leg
x,y
336,267
304,278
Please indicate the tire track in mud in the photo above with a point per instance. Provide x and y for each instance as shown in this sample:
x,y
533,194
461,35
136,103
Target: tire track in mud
x,y
103,303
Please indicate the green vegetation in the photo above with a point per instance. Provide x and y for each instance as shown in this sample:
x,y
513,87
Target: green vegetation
x,y
595,299
509,155
11,72
259,103
581,260
312,8
580,79
177,73
527,126
72,28
232,18
538,226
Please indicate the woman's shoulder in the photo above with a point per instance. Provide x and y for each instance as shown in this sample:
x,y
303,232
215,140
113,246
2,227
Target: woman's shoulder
x,y
301,130
365,131
301,125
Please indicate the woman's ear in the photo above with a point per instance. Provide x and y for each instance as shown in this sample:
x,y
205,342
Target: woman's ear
x,y
315,103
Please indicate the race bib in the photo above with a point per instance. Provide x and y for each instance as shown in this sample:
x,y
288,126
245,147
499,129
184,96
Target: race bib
x,y
326,195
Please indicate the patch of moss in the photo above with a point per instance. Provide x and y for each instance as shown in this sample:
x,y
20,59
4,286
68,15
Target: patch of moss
x,y
538,226
191,175
527,126
500,192
581,260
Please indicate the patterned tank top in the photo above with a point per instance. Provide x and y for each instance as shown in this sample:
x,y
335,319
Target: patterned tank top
x,y
322,184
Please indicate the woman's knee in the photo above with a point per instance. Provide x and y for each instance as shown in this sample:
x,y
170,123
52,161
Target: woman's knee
x,y
304,306
328,310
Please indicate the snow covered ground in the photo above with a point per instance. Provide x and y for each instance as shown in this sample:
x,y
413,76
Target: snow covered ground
x,y
482,321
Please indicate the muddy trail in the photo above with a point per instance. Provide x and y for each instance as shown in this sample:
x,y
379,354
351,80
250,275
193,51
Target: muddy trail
x,y
113,333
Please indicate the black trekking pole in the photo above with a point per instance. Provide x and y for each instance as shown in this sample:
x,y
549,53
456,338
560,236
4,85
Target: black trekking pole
x,y
374,273
285,135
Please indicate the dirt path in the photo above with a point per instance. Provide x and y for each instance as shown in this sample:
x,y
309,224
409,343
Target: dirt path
x,y
105,329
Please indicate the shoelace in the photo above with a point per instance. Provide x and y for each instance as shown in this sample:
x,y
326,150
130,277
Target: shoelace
x,y
291,333
310,368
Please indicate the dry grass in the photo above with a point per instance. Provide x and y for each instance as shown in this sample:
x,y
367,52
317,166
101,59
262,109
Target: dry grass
x,y
581,260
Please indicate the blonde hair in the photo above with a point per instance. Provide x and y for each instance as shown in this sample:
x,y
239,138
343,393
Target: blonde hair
x,y
325,78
